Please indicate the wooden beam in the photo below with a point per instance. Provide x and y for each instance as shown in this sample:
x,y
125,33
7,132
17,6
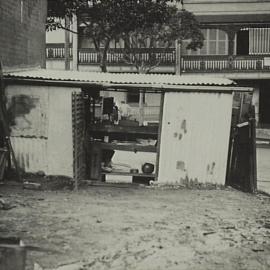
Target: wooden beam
x,y
159,134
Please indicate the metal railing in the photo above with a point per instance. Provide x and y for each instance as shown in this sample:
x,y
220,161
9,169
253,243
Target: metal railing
x,y
202,64
57,50
116,56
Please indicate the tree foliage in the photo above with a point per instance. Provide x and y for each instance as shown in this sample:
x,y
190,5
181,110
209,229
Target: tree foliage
x,y
179,25
140,23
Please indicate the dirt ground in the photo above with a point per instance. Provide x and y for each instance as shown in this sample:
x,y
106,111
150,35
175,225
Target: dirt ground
x,y
140,228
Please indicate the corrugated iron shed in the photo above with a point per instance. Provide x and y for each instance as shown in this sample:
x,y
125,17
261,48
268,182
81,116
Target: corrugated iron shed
x,y
195,137
160,81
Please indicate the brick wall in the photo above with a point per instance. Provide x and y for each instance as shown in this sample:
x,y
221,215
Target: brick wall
x,y
22,33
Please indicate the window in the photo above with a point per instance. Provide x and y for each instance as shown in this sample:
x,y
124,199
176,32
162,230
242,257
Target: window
x,y
215,43
134,97
259,40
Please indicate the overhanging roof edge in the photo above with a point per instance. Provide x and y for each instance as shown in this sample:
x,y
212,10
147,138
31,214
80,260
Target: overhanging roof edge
x,y
115,86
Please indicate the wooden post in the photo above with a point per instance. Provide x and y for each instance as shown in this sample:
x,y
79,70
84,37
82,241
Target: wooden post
x,y
159,134
178,57
253,154
75,42
231,32
241,107
67,42
141,108
231,35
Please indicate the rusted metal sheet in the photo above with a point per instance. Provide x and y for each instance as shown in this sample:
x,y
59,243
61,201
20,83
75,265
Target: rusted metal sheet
x,y
27,110
31,153
195,137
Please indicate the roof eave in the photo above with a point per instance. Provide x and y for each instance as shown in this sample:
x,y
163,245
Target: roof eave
x,y
124,86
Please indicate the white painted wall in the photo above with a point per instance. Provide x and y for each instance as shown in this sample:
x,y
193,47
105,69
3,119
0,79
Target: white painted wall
x,y
57,64
60,144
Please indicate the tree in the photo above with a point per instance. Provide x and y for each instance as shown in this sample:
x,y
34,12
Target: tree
x,y
140,23
177,25
59,9
111,20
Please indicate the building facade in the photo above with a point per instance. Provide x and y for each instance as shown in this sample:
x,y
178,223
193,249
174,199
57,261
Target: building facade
x,y
22,38
236,46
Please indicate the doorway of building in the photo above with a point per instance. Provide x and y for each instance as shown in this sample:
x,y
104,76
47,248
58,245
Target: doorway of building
x,y
242,42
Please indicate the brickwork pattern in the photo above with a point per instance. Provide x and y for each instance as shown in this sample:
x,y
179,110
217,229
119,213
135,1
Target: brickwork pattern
x,y
22,33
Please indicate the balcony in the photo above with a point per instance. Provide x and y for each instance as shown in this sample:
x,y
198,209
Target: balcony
x,y
114,56
189,64
220,63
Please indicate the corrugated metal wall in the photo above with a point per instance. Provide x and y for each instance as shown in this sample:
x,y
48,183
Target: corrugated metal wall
x,y
195,137
42,131
31,153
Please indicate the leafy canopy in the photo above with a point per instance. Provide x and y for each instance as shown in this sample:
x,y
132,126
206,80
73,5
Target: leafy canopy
x,y
179,25
140,23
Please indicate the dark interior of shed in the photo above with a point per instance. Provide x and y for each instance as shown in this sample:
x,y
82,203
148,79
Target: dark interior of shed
x,y
114,133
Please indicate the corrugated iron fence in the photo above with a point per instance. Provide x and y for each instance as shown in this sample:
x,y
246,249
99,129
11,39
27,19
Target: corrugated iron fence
x,y
241,170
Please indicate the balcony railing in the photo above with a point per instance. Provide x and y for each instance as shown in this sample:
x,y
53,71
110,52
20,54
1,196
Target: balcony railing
x,y
200,64
57,50
116,56
220,63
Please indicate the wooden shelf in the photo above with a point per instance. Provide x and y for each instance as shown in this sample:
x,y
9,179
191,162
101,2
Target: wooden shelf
x,y
143,130
129,174
128,147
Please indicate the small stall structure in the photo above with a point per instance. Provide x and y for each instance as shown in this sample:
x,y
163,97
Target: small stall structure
x,y
121,127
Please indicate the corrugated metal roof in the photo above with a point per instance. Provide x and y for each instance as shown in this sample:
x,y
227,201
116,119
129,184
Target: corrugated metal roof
x,y
119,78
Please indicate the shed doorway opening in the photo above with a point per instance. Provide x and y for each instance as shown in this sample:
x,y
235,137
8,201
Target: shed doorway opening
x,y
117,147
